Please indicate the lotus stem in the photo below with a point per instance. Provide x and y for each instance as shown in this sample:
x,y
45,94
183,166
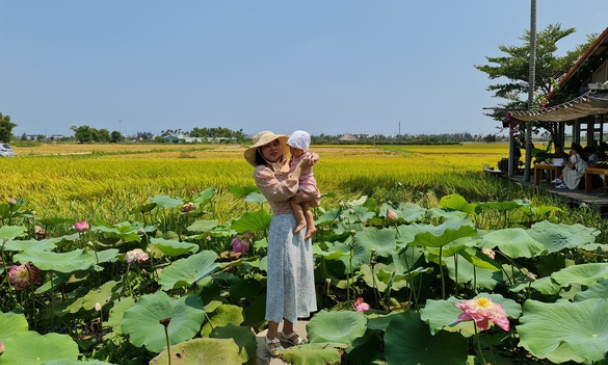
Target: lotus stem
x,y
165,322
478,345
441,273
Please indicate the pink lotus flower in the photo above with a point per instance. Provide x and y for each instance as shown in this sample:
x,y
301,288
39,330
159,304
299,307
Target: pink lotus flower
x,y
81,226
1,348
483,311
391,216
240,244
22,276
188,207
136,255
489,252
12,201
361,306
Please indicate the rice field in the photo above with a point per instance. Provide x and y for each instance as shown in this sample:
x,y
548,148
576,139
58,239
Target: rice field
x,y
105,181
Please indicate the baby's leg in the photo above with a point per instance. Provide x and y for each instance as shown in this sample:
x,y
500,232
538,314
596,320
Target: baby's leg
x,y
298,213
310,220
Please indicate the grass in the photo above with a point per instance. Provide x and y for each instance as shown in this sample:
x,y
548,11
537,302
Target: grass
x,y
88,182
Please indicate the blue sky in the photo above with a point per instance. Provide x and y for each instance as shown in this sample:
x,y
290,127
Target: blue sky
x,y
330,66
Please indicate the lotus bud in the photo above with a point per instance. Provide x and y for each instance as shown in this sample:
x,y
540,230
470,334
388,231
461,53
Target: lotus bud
x,y
361,306
12,201
188,207
1,348
391,216
531,277
489,252
98,307
81,227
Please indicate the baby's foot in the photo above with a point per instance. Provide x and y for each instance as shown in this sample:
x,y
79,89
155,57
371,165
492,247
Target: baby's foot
x,y
310,232
299,228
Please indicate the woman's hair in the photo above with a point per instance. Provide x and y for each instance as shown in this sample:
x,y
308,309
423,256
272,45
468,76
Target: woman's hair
x,y
580,151
259,158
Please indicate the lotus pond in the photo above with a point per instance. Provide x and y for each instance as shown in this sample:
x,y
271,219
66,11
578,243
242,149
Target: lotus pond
x,y
397,283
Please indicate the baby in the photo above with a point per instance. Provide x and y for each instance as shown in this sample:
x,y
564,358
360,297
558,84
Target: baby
x,y
308,194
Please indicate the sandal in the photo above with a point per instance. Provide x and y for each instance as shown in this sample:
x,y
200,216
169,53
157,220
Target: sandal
x,y
273,346
292,338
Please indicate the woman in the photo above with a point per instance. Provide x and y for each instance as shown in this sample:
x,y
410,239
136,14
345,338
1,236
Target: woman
x,y
290,289
574,168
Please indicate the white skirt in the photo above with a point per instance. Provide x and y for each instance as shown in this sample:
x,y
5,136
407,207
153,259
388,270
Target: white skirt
x,y
290,292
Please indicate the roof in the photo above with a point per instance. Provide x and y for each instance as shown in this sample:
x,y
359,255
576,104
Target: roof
x,y
590,103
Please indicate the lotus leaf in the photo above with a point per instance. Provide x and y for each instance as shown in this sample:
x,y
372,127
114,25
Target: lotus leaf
x,y
409,212
357,214
33,244
242,336
141,322
597,290
188,271
565,331
243,191
204,197
203,225
11,232
102,295
408,258
164,201
258,221
11,323
174,247
380,321
513,242
143,208
584,274
503,206
313,354
116,316
225,314
31,348
61,262
199,351
124,231
437,213
457,202
469,273
366,349
443,314
109,255
69,362
557,237
381,240
408,341
450,230
255,198
336,327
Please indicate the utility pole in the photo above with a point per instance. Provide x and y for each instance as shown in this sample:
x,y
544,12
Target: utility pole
x,y
531,86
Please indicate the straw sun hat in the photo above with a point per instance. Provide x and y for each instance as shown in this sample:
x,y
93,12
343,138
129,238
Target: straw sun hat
x,y
264,138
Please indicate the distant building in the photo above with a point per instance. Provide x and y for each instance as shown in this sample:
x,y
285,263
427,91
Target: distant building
x,y
348,138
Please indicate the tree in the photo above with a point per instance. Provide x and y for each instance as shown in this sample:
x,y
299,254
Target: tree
x,y
103,135
6,128
84,134
514,66
116,136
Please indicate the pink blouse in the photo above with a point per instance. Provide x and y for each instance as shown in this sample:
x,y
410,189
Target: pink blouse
x,y
277,188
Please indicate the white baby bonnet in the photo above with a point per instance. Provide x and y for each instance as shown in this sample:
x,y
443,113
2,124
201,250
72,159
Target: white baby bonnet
x,y
299,139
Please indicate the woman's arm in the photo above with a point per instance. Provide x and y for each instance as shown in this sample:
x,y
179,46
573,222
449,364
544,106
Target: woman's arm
x,y
277,187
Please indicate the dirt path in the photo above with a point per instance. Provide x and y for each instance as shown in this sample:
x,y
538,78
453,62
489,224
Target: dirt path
x,y
262,352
